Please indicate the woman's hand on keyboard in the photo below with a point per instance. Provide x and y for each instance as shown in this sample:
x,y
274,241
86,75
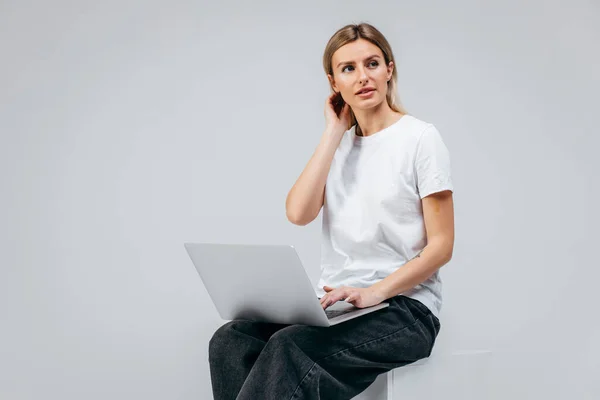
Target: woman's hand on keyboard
x,y
359,297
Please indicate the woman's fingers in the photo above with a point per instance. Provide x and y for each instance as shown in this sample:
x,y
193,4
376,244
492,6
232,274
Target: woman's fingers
x,y
326,297
349,294
336,295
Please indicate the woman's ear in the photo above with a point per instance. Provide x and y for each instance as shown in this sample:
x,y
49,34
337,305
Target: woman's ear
x,y
390,70
332,83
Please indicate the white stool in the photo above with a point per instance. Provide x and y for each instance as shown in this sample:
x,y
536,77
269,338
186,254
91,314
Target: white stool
x,y
457,374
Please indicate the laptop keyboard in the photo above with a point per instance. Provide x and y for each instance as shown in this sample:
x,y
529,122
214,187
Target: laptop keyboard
x,y
336,313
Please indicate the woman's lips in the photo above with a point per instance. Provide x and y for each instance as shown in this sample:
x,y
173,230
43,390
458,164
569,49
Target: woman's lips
x,y
366,94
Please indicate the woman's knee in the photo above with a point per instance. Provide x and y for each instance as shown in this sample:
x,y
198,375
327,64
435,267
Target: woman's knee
x,y
220,337
294,335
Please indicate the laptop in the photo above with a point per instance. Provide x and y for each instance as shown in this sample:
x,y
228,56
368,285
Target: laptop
x,y
266,283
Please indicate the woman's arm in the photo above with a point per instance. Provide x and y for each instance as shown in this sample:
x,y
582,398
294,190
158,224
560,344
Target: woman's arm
x,y
438,213
305,199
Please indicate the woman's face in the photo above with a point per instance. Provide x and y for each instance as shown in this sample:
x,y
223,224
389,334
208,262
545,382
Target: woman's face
x,y
358,65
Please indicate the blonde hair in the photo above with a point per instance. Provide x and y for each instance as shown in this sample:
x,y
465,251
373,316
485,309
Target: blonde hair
x,y
351,33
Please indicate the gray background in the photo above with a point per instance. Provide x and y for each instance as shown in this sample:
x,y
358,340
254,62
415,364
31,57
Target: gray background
x,y
129,127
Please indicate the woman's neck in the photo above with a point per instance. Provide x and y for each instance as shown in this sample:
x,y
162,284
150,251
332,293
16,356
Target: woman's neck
x,y
374,120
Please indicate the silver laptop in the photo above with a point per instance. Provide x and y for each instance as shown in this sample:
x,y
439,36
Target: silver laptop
x,y
265,283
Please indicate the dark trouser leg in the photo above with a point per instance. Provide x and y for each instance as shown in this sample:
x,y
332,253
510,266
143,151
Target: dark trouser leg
x,y
233,349
339,362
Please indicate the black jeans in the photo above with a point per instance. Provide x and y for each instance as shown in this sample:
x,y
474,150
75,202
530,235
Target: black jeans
x,y
252,360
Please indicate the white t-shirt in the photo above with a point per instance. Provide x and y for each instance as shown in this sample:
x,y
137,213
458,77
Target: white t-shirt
x,y
372,214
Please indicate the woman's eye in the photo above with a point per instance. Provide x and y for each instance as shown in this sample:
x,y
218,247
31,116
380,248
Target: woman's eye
x,y
374,63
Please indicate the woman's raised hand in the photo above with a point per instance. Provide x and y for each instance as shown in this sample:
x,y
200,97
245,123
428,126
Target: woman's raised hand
x,y
337,113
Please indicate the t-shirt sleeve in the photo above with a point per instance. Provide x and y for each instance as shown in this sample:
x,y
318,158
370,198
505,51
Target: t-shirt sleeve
x,y
432,163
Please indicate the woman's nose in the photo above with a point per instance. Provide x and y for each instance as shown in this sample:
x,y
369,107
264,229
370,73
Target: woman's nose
x,y
362,75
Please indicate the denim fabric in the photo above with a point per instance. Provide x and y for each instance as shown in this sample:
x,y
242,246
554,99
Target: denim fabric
x,y
252,360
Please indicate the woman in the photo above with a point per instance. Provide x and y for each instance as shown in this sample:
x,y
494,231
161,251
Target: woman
x,y
383,179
